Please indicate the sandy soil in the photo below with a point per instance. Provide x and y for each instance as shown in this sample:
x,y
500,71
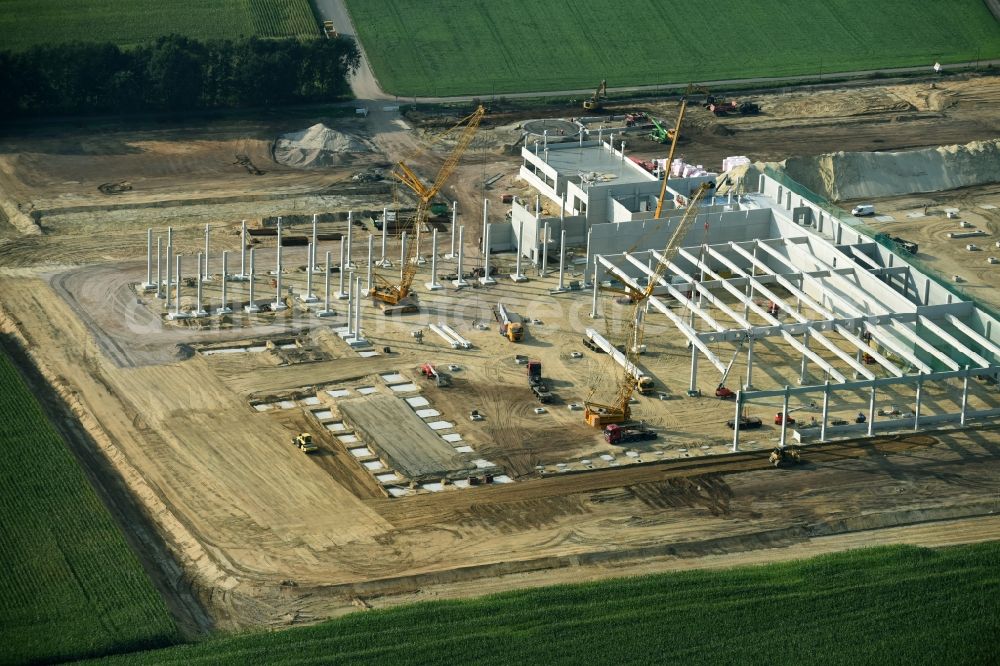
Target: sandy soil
x,y
239,529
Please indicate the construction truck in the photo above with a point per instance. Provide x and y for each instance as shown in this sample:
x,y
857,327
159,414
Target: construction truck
x,y
623,434
784,456
329,30
511,324
304,442
593,103
439,378
537,384
643,382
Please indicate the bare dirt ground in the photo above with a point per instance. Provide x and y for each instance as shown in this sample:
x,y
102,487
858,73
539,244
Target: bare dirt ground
x,y
268,536
923,218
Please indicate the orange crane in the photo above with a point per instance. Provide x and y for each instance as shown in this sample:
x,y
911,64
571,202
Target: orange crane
x,y
599,415
393,294
670,159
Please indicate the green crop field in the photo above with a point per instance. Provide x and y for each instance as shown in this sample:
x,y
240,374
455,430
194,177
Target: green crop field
x,y
470,47
69,585
881,606
25,23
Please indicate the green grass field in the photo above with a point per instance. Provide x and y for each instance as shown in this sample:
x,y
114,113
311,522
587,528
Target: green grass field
x,y
461,46
25,23
880,606
69,585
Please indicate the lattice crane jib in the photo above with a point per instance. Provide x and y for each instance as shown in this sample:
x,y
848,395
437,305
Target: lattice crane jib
x,y
391,293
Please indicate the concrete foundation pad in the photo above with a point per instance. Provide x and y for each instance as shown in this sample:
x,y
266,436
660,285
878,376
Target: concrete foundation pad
x,y
308,298
558,291
357,342
148,286
487,280
432,286
223,311
385,263
517,277
460,283
174,316
278,306
325,313
251,309
341,295
239,277
200,313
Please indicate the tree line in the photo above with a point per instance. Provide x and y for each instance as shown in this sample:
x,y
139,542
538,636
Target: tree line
x,y
174,73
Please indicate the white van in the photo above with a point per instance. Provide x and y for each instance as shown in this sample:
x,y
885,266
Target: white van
x,y
862,210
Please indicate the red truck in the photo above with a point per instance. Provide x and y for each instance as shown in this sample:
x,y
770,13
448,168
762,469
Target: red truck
x,y
621,434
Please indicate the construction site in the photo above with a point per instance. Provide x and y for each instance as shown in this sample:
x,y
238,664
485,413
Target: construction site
x,y
352,361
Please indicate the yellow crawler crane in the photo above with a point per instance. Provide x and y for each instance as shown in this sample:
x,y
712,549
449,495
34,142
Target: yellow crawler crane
x,y
393,295
596,414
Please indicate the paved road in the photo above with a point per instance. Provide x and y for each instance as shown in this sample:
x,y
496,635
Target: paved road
x,y
366,87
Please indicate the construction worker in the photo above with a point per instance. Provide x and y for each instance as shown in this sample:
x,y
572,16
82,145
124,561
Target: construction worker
x,y
860,418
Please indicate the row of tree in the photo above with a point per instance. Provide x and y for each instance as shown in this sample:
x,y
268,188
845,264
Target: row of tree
x,y
174,73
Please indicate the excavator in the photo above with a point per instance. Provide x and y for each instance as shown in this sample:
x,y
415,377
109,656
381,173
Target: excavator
x,y
599,415
594,102
394,295
661,134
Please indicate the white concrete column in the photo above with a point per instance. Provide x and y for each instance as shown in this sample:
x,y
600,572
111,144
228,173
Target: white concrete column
x,y
562,260
693,385
965,396
148,284
350,303
454,229
597,286
243,250
371,248
736,421
871,410
545,250
460,281
315,244
177,289
341,294
402,254
224,308
486,210
487,278
357,309
350,236
517,276
433,284
251,307
279,303
916,407
208,232
170,263
826,411
562,208
309,296
749,384
326,311
586,270
198,310
384,261
784,418
159,274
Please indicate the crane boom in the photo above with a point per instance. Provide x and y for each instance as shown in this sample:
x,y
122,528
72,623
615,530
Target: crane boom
x,y
391,293
670,160
600,415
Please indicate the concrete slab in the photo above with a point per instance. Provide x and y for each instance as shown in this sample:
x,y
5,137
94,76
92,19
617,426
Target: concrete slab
x,y
391,428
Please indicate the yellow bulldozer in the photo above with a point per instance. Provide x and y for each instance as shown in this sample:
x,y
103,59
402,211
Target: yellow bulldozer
x,y
304,442
784,456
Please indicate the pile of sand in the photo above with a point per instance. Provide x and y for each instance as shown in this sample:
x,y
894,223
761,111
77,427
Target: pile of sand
x,y
317,146
840,176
